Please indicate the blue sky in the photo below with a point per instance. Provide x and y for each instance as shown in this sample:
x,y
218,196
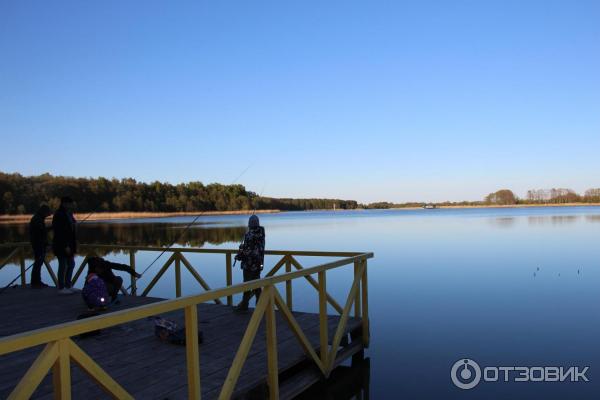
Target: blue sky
x,y
397,101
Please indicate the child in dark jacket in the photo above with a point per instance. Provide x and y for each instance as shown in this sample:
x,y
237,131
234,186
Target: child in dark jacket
x,y
94,293
104,270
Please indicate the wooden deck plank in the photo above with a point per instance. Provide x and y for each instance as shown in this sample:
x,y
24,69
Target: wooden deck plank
x,y
134,357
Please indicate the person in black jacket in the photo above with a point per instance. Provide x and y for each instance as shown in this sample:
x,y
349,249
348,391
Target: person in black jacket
x,y
64,244
104,269
252,256
38,237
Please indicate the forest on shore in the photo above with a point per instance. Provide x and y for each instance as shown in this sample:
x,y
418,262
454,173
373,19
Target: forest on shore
x,y
23,195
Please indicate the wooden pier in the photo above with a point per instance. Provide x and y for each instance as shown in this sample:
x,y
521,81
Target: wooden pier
x,y
267,352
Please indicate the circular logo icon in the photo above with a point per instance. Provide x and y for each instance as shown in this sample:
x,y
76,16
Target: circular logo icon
x,y
465,373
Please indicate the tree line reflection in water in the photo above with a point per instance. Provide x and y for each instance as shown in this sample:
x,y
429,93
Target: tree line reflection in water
x,y
134,234
506,222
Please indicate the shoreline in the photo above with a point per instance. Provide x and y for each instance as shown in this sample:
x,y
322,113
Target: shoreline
x,y
109,216
495,206
526,205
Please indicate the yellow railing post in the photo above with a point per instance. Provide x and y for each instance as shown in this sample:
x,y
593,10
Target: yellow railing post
x,y
22,263
323,323
339,332
245,345
357,311
228,276
177,274
288,283
366,334
133,278
273,369
192,351
61,371
36,373
314,284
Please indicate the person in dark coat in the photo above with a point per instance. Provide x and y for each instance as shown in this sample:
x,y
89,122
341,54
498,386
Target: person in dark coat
x,y
38,237
64,244
252,255
104,270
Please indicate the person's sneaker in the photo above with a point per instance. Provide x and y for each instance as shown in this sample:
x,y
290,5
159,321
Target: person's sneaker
x,y
65,291
40,285
75,290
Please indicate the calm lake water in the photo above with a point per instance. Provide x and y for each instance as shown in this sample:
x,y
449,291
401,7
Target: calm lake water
x,y
503,287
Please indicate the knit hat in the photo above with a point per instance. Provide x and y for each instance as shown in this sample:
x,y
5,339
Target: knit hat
x,y
253,222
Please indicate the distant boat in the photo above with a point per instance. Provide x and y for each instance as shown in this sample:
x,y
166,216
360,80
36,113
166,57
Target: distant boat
x,y
429,206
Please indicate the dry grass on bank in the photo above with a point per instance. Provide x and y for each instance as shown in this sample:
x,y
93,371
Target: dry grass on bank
x,y
103,216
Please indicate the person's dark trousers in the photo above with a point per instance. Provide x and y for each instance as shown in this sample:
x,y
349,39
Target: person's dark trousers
x,y
36,272
113,287
250,275
65,271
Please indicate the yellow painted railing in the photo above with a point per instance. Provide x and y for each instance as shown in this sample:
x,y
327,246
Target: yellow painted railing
x,y
60,349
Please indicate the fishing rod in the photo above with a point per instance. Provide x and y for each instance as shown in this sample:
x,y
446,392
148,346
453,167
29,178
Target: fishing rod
x,y
188,226
31,265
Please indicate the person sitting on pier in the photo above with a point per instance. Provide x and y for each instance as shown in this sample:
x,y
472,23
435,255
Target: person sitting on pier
x,y
104,270
38,237
252,256
94,293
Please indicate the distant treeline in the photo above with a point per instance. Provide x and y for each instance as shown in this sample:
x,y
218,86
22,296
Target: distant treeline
x,y
507,197
23,195
543,196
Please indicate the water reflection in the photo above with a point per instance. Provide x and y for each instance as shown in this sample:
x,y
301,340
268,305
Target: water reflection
x,y
138,234
541,220
592,218
552,219
503,222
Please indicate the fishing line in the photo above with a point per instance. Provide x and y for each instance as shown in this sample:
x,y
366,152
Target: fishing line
x,y
185,230
243,172
259,196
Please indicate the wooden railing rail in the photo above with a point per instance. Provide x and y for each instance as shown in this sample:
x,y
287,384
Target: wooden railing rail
x,y
60,349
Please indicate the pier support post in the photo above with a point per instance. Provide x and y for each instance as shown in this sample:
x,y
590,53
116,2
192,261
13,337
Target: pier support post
x,y
228,276
22,263
177,274
192,352
366,334
273,373
357,310
323,323
288,284
133,278
61,372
